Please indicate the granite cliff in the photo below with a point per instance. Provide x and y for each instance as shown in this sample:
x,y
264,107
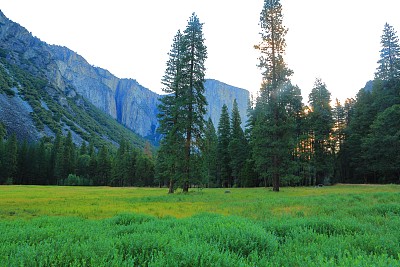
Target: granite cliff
x,y
71,79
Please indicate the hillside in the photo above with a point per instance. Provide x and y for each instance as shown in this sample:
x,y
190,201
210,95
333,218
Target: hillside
x,y
34,104
64,92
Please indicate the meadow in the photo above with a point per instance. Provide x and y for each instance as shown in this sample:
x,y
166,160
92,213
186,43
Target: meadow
x,y
343,225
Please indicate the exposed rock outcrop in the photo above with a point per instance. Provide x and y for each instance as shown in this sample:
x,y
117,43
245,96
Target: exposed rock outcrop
x,y
125,100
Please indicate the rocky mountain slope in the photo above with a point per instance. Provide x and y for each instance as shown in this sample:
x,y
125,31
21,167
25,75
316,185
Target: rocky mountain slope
x,y
64,84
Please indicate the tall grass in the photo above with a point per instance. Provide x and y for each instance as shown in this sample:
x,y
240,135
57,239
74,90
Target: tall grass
x,y
332,226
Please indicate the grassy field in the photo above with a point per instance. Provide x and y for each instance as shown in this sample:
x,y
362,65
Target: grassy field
x,y
356,225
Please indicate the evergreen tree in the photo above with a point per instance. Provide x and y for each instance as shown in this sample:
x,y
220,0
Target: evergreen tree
x,y
291,99
57,160
210,158
341,120
183,108
389,63
91,151
238,149
92,169
144,171
131,161
274,136
83,149
382,146
118,169
68,157
103,167
2,132
361,119
271,133
193,99
339,126
170,160
169,116
43,164
169,107
224,135
23,164
250,176
321,123
11,159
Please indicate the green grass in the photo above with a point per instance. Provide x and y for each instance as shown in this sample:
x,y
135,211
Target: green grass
x,y
101,226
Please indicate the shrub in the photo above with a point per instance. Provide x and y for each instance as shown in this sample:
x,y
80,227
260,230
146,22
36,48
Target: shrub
x,y
74,180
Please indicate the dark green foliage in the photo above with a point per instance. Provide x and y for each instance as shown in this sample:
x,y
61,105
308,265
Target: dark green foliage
x,y
74,180
238,147
103,167
10,166
170,160
272,131
59,163
370,146
24,164
389,63
224,177
69,156
182,110
210,156
382,146
144,171
193,101
321,125
171,146
342,116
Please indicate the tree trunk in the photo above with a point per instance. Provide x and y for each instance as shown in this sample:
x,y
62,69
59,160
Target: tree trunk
x,y
171,186
275,176
186,187
275,182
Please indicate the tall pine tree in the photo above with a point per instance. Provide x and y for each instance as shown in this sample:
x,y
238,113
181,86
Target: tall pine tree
x,y
238,148
183,109
271,133
170,119
224,135
194,101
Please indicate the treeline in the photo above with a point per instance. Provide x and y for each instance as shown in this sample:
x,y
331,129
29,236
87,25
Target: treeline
x,y
61,162
285,142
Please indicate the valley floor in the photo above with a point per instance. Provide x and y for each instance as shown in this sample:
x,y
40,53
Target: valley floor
x,y
343,225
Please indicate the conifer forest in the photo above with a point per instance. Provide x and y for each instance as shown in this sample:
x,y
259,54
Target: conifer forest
x,y
284,142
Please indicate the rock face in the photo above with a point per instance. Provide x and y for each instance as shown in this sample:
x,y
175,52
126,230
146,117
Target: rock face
x,y
15,113
130,103
218,94
125,100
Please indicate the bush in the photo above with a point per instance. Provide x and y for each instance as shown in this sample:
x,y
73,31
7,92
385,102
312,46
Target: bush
x,y
75,180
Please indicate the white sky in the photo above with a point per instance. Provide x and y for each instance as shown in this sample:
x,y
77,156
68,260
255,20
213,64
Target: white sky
x,y
337,41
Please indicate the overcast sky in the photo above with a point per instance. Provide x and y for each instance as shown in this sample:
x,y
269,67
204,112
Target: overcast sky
x,y
337,41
